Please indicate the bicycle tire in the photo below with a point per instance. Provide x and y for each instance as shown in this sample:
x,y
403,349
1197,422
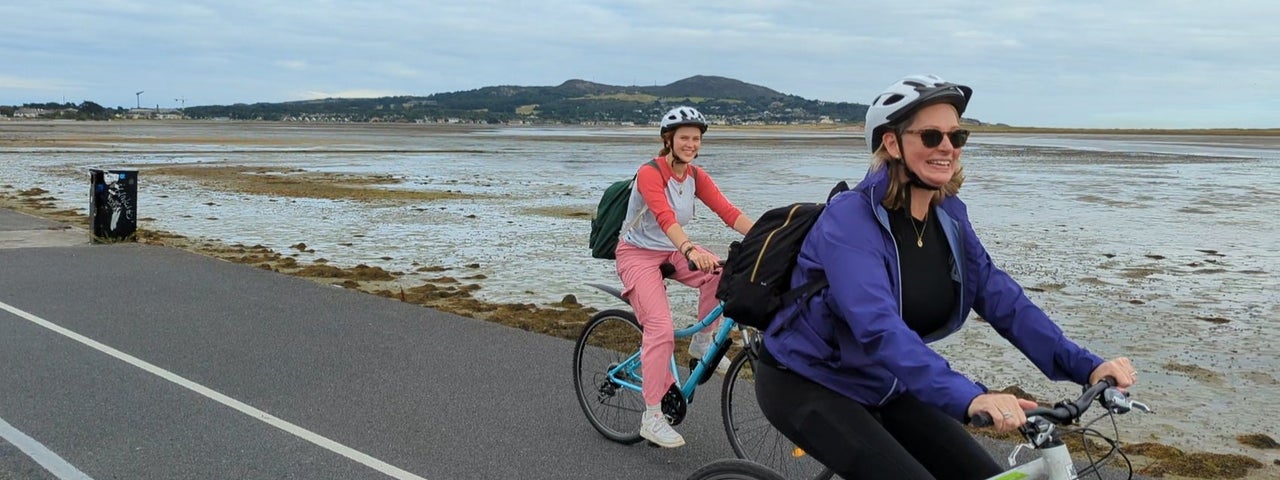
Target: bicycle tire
x,y
608,339
735,469
751,435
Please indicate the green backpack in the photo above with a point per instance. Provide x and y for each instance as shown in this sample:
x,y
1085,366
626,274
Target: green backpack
x,y
610,213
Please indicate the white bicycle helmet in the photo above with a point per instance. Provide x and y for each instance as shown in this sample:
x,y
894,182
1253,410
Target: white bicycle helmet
x,y
905,96
681,116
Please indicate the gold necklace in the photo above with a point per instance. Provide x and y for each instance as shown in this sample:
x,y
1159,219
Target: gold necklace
x,y
920,232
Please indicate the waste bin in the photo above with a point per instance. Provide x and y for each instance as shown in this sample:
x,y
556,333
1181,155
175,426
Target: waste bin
x,y
113,204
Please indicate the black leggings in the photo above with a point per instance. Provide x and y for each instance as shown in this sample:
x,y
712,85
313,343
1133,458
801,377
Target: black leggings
x,y
904,439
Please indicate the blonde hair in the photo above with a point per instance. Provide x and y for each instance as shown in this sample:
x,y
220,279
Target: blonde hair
x,y
895,196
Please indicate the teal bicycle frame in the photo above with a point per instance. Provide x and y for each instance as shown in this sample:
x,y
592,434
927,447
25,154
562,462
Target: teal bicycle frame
x,y
627,373
610,393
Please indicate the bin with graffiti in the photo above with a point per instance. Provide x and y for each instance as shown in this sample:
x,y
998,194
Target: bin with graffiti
x,y
113,205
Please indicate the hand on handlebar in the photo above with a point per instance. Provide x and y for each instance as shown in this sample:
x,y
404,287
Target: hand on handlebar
x,y
1003,411
702,260
1120,369
1062,413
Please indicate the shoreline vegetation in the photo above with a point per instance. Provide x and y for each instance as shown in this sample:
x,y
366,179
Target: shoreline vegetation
x,y
1010,129
450,289
451,292
821,127
1261,132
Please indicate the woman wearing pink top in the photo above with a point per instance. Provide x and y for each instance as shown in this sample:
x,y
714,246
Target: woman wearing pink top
x,y
662,201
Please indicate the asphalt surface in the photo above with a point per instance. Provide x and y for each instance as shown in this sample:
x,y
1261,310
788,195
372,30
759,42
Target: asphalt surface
x,y
137,362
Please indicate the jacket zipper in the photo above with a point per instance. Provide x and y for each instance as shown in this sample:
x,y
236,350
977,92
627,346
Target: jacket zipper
x,y
898,265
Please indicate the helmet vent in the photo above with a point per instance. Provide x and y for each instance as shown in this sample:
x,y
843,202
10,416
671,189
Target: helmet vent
x,y
898,100
681,116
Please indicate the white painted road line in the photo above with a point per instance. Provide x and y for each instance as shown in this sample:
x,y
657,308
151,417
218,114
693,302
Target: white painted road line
x,y
43,456
335,447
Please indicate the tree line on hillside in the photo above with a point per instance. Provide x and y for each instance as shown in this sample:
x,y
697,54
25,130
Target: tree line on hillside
x,y
723,100
604,111
85,110
572,102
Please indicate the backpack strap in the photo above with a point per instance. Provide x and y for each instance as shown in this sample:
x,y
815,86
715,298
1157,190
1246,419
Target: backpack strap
x,y
644,207
811,288
804,292
840,187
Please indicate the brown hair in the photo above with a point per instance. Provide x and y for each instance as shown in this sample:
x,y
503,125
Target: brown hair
x,y
667,138
896,195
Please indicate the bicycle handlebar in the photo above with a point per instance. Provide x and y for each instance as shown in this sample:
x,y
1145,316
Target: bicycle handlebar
x,y
1067,411
694,266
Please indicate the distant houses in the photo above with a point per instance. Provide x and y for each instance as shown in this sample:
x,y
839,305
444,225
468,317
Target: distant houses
x,y
154,114
26,112
71,113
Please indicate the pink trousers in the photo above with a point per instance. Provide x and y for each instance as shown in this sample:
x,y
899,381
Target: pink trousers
x,y
644,287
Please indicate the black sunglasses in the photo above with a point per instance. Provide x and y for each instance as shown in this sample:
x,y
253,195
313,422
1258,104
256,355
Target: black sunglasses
x,y
932,137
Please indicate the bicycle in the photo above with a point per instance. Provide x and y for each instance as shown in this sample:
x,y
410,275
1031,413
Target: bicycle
x,y
1041,431
606,364
735,469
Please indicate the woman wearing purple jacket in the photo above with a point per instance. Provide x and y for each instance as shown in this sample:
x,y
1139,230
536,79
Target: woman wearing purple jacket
x,y
848,374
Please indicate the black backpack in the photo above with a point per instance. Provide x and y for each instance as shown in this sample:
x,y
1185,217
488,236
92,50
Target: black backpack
x,y
756,279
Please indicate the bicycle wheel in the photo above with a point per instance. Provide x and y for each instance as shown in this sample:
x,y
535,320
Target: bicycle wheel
x,y
750,433
610,338
735,469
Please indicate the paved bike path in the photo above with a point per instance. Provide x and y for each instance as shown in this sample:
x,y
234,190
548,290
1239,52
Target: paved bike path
x,y
136,361
434,394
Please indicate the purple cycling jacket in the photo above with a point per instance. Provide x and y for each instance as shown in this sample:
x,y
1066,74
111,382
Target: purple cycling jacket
x,y
851,337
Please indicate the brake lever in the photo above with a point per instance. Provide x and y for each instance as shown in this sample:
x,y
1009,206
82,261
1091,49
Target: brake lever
x,y
1115,401
1118,402
1141,406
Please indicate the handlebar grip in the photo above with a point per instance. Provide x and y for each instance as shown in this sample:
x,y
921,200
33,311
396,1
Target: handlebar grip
x,y
694,266
981,419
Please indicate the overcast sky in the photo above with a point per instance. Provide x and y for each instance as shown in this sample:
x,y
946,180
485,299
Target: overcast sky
x,y
1068,63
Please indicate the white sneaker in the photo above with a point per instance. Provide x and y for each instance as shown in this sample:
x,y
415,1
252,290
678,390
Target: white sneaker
x,y
654,428
698,347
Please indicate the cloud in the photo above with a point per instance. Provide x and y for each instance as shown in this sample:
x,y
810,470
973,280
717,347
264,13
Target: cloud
x,y
351,93
1049,62
292,64
20,83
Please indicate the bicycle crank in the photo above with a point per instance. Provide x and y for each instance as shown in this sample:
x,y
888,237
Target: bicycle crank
x,y
674,405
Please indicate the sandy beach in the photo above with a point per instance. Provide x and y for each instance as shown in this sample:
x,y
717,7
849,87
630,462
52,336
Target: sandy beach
x,y
1160,247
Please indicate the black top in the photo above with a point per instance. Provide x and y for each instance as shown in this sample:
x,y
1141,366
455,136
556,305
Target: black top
x,y
924,259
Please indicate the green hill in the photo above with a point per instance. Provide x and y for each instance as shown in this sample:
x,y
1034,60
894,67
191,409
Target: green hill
x,y
723,100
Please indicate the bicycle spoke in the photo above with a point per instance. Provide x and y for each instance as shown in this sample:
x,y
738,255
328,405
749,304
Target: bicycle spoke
x,y
752,436
612,404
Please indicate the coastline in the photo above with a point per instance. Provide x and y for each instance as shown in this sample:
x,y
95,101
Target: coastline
x,y
447,288
448,292
17,124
